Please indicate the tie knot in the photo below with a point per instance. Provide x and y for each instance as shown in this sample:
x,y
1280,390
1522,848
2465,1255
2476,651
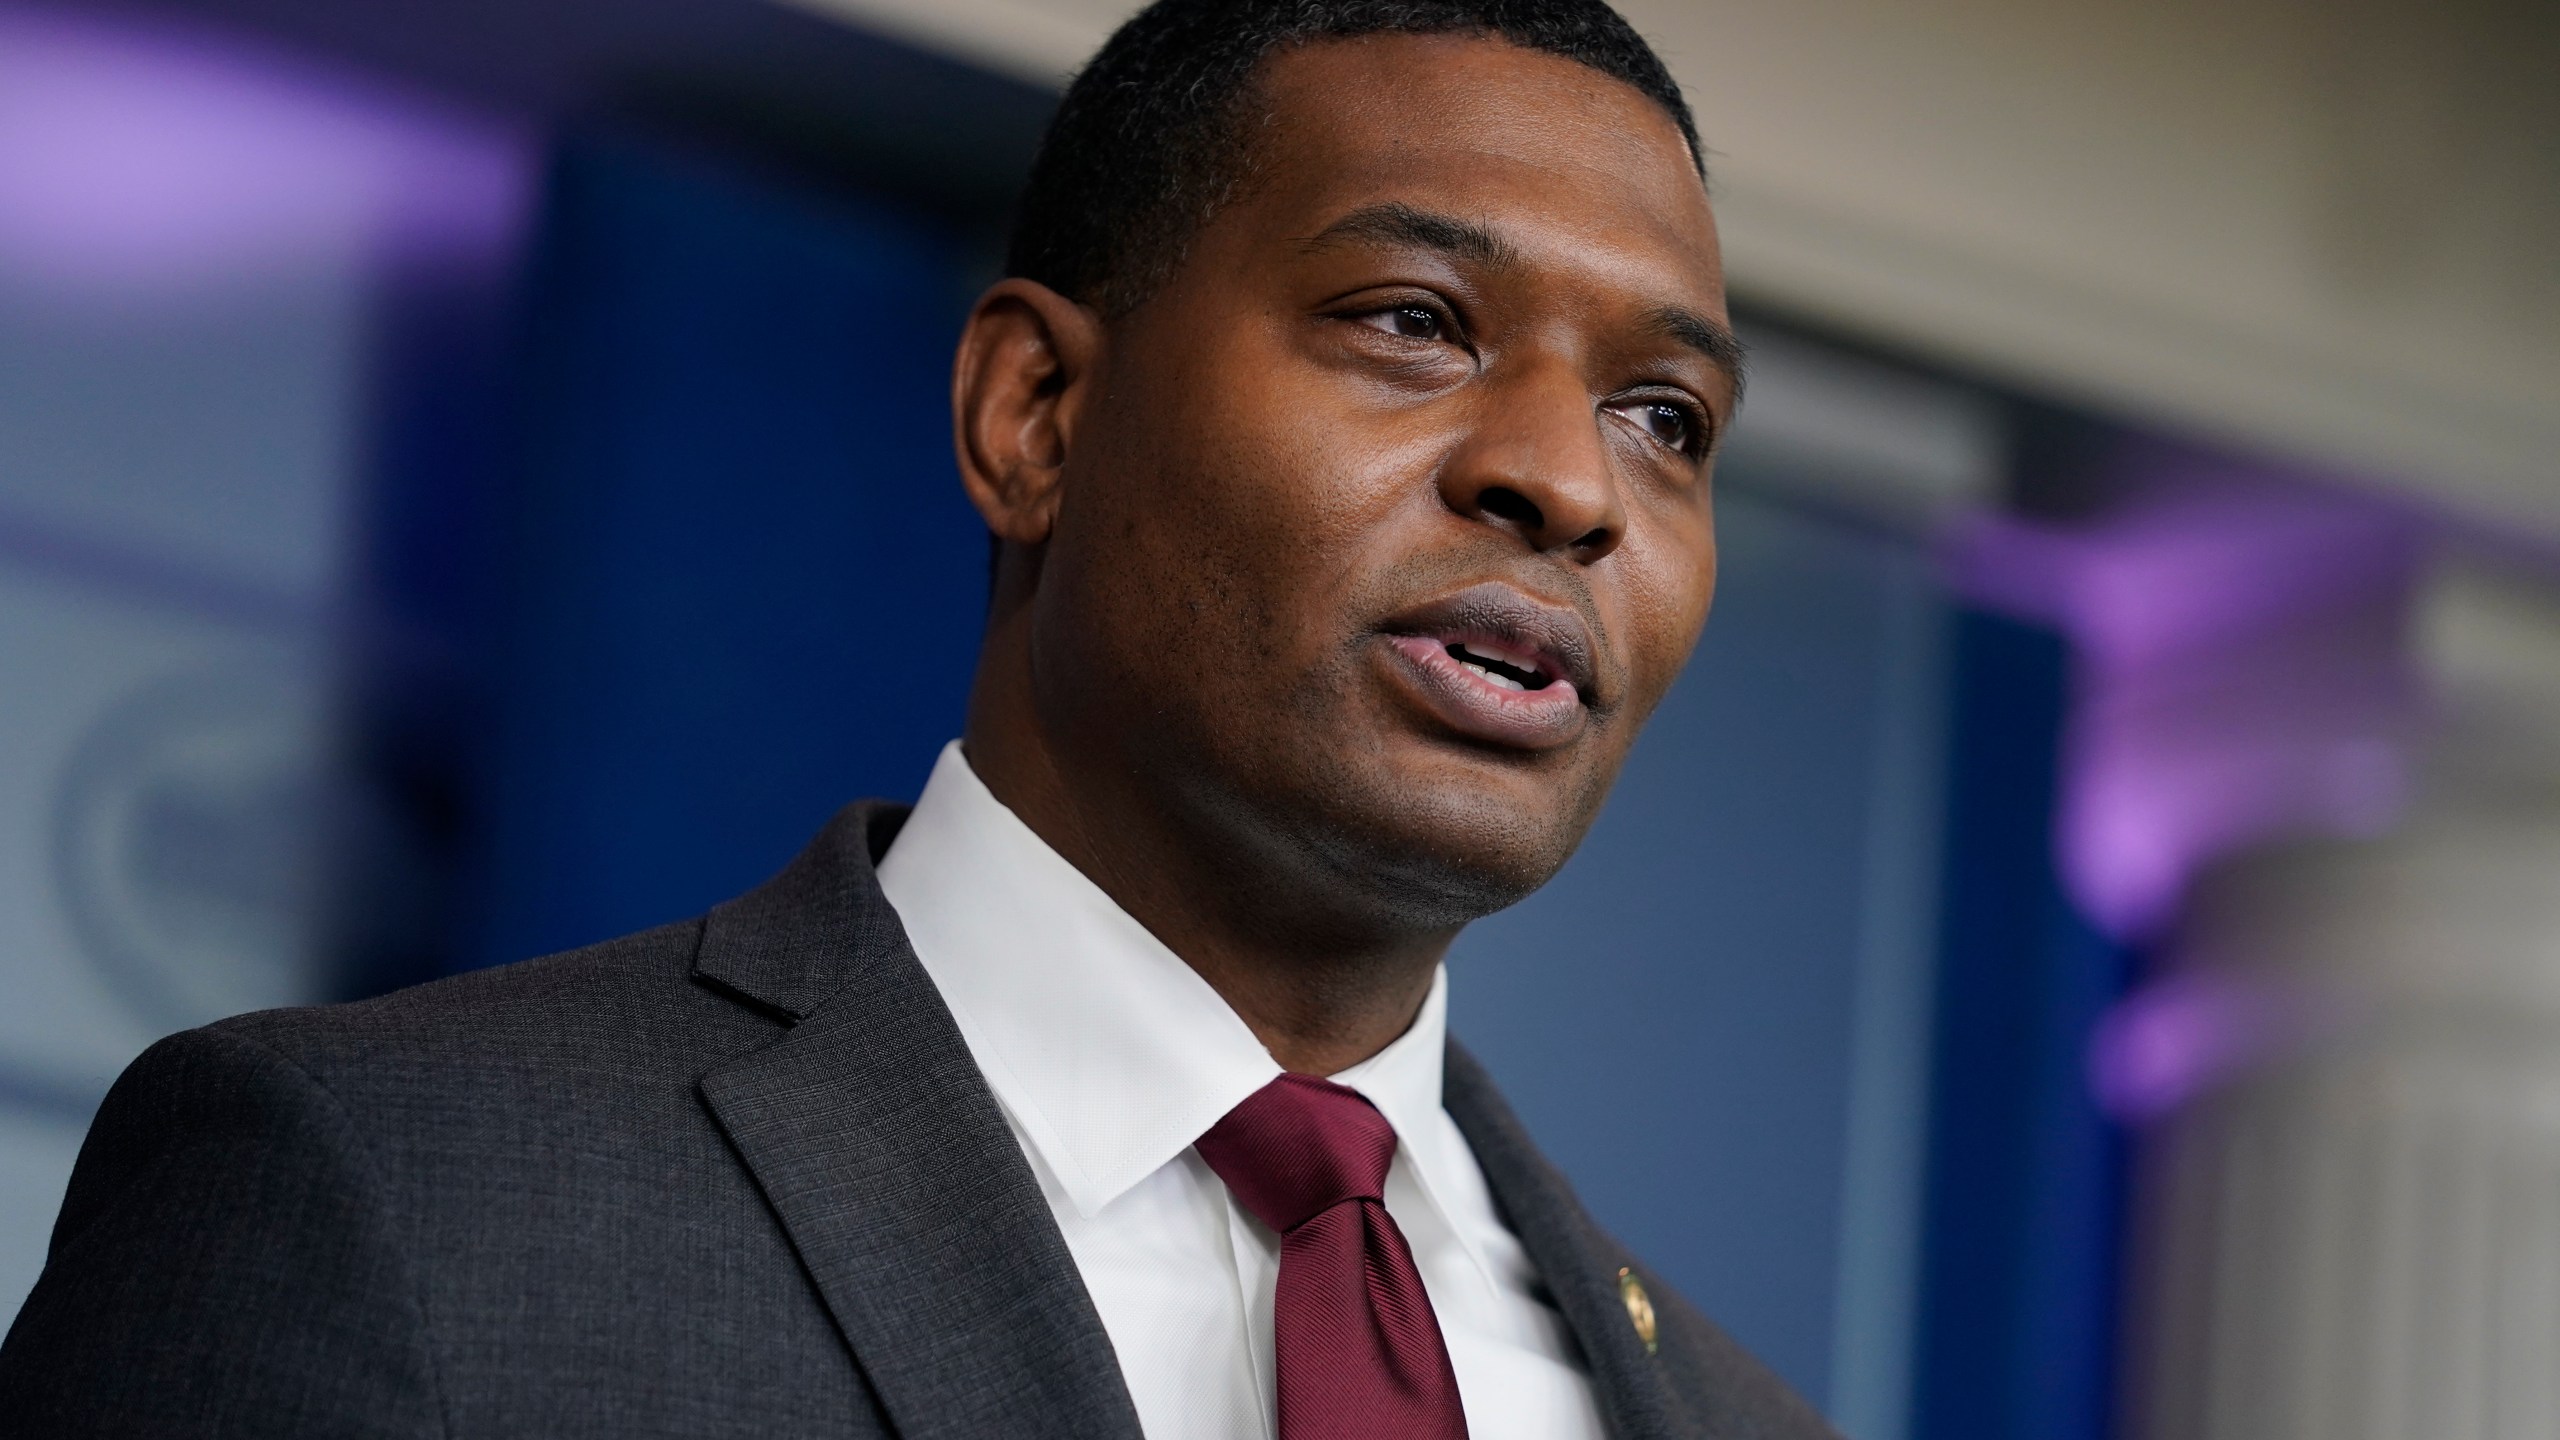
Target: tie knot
x,y
1299,1146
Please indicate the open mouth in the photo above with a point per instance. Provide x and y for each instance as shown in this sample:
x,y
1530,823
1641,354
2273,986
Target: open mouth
x,y
1497,667
1509,670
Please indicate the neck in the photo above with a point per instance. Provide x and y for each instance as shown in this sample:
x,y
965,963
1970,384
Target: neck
x,y
1322,988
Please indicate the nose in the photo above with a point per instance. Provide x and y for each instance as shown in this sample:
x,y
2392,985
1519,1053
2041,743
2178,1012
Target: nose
x,y
1536,466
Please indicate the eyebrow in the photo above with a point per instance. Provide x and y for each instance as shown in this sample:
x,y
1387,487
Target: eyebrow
x,y
1396,223
1393,222
1712,339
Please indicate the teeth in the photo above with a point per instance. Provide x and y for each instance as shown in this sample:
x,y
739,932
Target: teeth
x,y
1505,681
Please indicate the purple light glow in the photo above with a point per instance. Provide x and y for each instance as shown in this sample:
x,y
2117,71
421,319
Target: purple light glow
x,y
2239,670
2202,551
147,161
2175,1039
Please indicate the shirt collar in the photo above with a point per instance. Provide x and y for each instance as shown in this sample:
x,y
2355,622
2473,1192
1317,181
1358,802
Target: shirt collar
x,y
1403,1080
1110,1053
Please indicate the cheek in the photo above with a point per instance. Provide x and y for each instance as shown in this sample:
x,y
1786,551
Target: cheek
x,y
1231,529
1669,586
1284,497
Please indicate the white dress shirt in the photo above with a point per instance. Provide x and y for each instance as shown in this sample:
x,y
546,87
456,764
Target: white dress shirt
x,y
1110,1056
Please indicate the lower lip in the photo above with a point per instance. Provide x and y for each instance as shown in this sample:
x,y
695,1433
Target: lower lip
x,y
1483,709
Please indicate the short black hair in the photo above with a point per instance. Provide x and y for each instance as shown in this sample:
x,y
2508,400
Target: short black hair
x,y
1149,140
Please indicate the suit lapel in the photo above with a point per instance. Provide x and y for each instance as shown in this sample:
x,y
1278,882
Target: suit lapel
x,y
1578,1261
879,1145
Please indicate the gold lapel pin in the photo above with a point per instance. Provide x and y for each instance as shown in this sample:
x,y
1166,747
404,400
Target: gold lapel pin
x,y
1639,1306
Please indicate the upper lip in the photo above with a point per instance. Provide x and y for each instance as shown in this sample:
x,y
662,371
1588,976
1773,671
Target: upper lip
x,y
1554,635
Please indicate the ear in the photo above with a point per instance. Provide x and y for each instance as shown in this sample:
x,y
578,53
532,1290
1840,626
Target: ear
x,y
1023,372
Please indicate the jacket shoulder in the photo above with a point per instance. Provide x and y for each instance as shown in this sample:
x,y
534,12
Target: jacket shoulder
x,y
626,1002
470,1207
222,1265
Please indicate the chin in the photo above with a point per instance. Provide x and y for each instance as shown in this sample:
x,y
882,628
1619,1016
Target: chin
x,y
1451,839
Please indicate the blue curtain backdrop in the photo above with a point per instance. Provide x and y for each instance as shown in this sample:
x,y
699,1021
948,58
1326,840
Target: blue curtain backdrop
x,y
741,584
2024,1237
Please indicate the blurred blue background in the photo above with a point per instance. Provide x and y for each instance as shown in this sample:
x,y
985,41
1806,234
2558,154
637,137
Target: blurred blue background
x,y
475,482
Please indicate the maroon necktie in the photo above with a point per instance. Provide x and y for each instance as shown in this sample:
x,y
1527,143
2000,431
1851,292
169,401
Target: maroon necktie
x,y
1358,1352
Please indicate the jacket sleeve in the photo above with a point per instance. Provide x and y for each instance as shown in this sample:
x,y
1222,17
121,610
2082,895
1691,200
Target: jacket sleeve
x,y
225,1264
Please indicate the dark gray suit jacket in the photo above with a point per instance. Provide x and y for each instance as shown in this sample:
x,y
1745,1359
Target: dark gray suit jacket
x,y
736,1176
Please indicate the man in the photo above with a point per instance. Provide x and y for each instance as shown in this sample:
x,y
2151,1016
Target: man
x,y
1345,427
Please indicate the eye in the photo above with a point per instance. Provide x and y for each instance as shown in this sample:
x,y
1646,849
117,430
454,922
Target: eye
x,y
1413,322
1675,426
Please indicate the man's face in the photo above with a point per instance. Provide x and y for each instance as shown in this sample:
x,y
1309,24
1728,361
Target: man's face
x,y
1388,522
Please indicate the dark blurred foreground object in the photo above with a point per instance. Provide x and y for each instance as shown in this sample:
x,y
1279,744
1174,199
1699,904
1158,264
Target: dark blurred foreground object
x,y
734,1176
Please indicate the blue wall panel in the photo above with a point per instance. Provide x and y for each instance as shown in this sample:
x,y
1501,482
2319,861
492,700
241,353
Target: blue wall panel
x,y
744,585
2017,1329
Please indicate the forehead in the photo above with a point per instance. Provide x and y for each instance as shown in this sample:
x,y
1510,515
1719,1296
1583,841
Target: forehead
x,y
1535,143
